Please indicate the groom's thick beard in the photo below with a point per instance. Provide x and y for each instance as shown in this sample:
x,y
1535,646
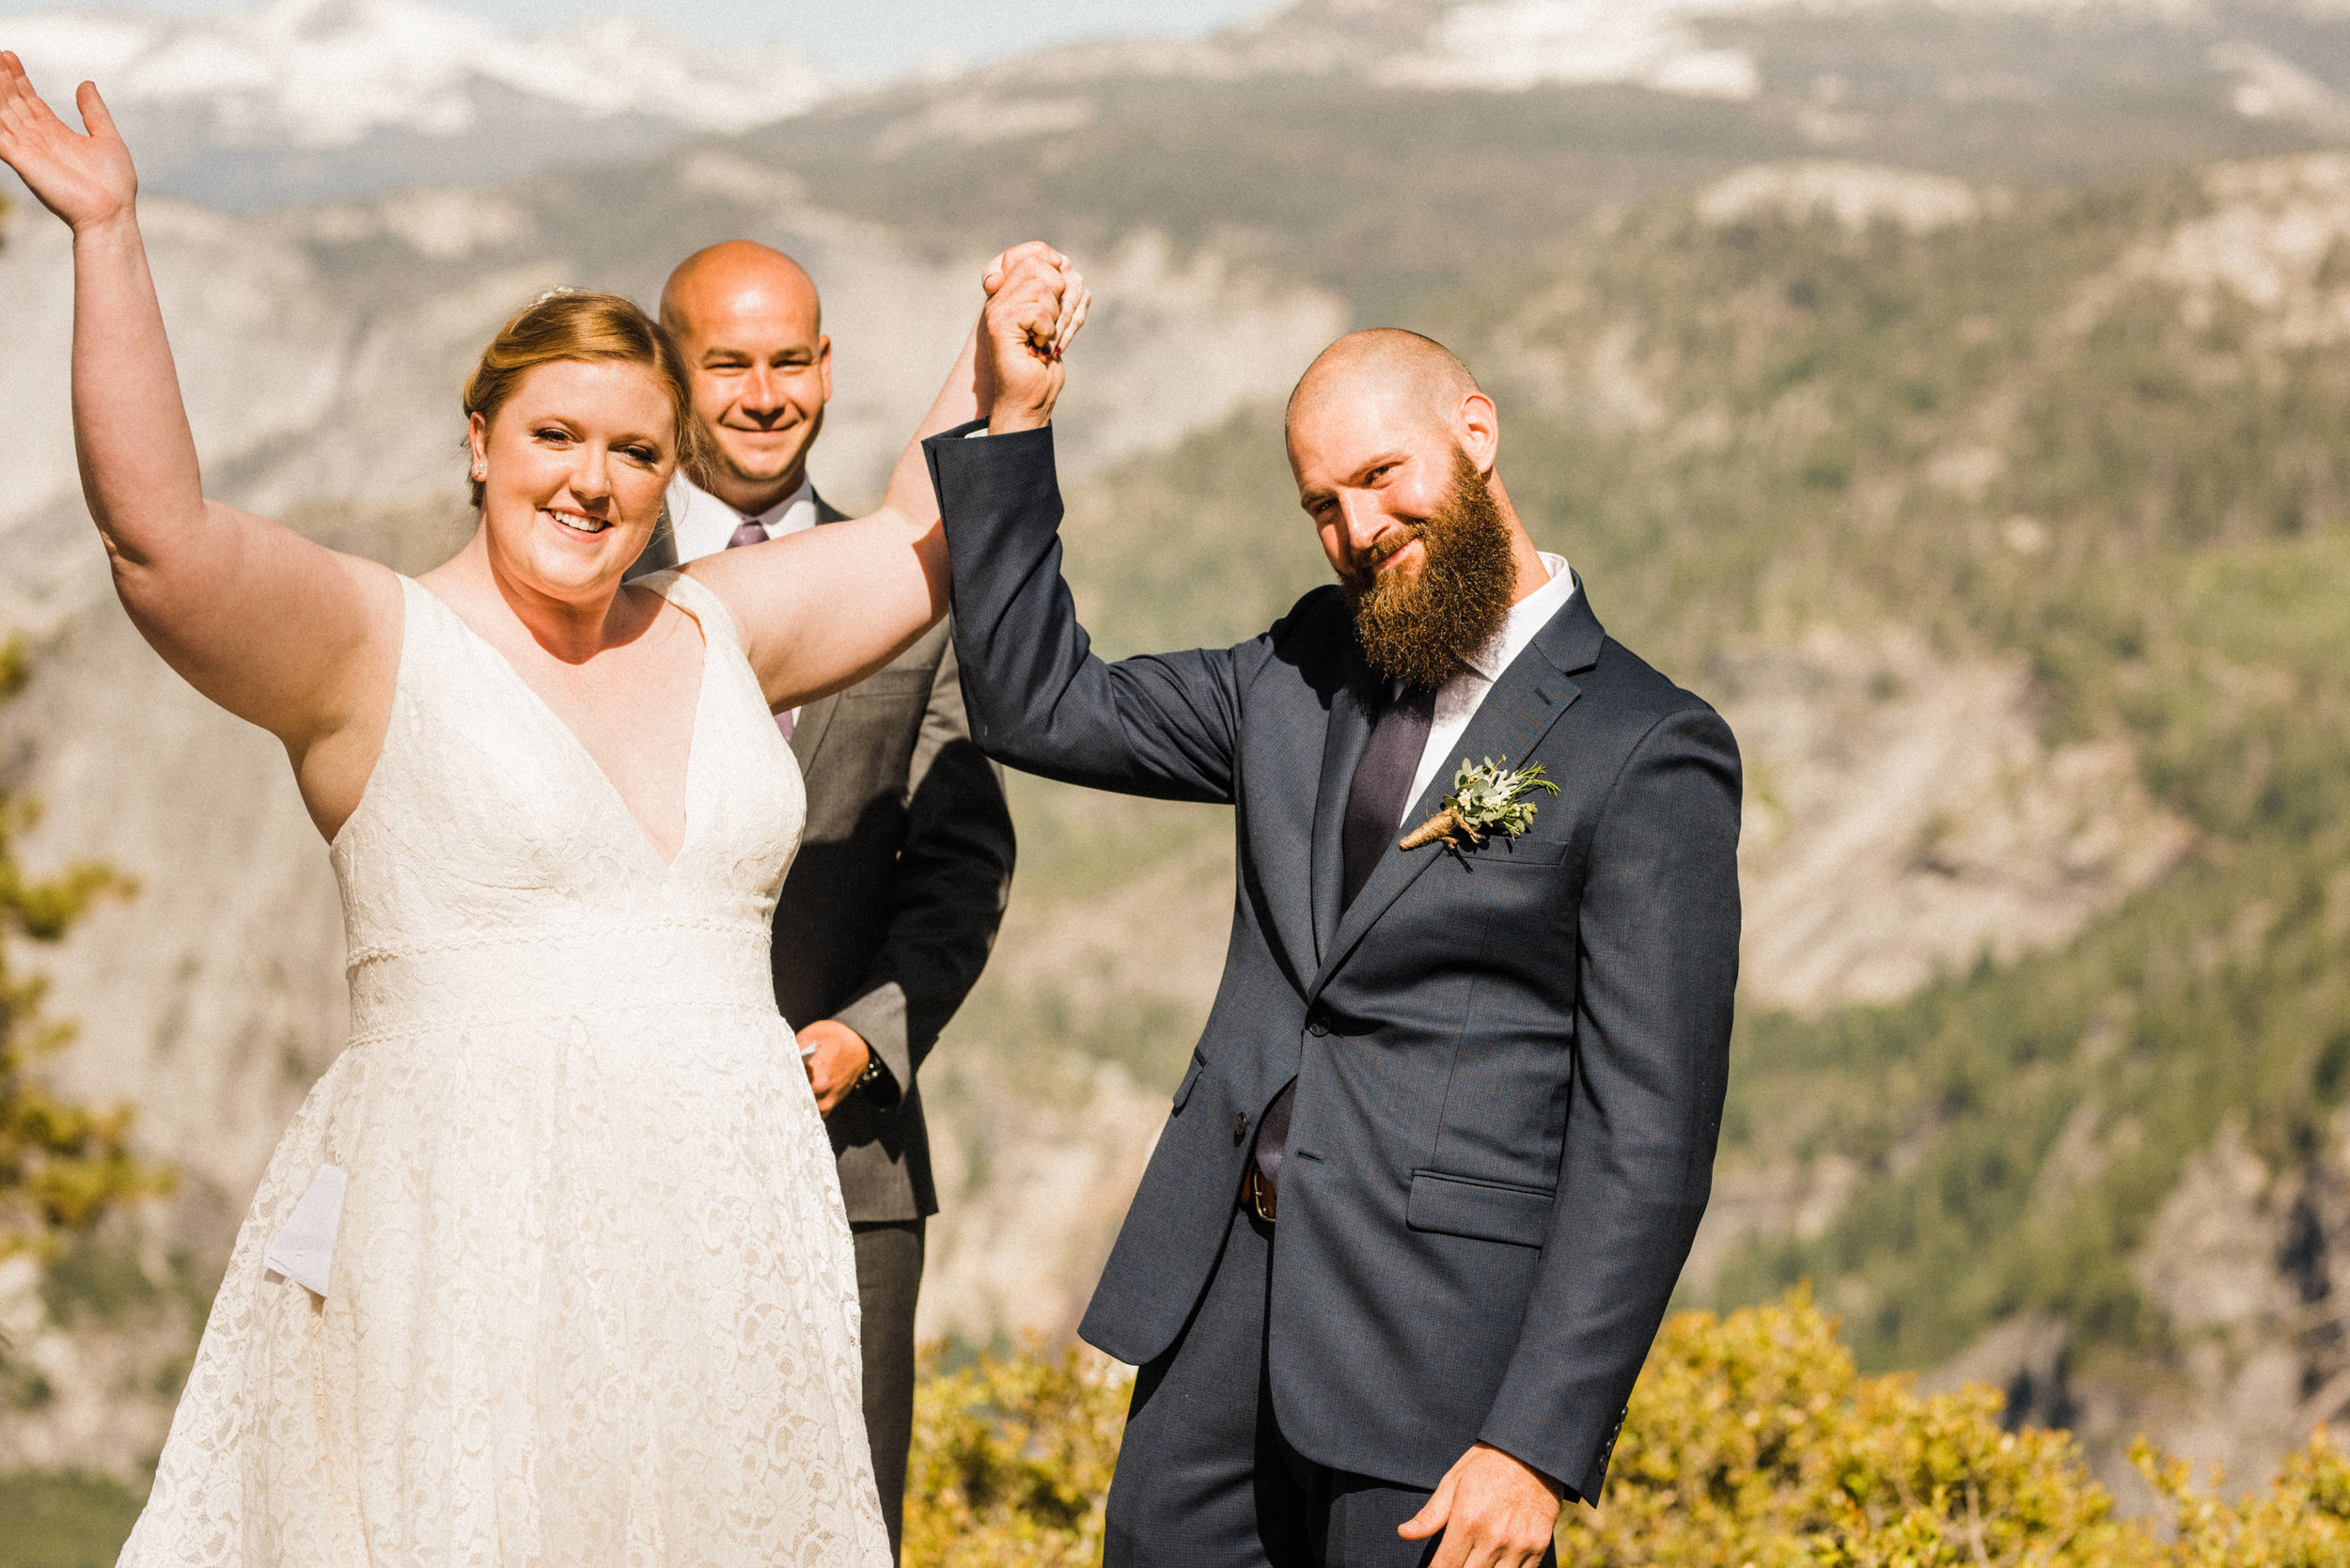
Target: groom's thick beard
x,y
1418,629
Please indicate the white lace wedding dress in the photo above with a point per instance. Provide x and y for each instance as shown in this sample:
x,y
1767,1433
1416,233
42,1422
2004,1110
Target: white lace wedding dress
x,y
592,1296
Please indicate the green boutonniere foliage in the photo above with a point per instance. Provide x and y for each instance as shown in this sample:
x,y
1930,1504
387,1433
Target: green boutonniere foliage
x,y
1487,798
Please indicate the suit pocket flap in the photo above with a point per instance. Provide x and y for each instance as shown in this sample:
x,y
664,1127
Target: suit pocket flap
x,y
1499,851
1460,1207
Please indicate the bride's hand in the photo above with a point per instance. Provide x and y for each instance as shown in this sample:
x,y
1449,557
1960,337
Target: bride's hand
x,y
1076,299
85,179
1037,302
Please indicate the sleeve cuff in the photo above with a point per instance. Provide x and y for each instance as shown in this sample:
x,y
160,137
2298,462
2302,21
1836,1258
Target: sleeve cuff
x,y
879,1018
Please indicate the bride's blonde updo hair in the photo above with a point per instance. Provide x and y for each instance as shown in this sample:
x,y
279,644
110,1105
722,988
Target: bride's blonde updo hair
x,y
582,324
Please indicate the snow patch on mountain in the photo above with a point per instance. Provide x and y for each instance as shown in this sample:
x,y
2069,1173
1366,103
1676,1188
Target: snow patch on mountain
x,y
328,73
1511,45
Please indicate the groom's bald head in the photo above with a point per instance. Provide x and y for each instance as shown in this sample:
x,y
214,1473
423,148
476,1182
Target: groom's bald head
x,y
1388,365
1376,396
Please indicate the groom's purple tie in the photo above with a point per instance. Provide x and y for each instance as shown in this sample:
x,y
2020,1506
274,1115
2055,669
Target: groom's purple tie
x,y
756,533
1383,784
1374,803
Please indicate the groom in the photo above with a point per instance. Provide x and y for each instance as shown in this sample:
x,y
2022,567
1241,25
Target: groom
x,y
1436,1162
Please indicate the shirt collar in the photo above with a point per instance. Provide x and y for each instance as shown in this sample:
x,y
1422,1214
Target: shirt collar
x,y
1526,616
780,518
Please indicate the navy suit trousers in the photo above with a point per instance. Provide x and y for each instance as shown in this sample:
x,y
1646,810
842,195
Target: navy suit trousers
x,y
1206,1480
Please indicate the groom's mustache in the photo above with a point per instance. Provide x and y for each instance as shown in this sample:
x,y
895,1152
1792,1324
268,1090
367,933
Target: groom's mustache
x,y
1371,556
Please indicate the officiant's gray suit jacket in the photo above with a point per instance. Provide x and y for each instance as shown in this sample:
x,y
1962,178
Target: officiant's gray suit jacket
x,y
1509,1059
887,916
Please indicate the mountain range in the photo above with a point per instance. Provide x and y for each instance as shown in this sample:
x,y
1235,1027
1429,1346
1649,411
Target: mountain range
x,y
295,101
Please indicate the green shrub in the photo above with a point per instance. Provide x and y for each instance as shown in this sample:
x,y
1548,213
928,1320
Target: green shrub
x,y
1012,1460
2303,1521
63,1519
1752,1442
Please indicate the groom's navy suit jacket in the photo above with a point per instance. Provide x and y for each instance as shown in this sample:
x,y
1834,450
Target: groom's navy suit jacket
x,y
1509,1059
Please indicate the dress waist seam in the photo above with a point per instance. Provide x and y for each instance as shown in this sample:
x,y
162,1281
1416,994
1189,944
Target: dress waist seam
x,y
458,1023
381,953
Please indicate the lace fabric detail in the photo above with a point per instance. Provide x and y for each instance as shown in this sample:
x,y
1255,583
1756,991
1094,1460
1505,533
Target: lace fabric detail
x,y
593,1300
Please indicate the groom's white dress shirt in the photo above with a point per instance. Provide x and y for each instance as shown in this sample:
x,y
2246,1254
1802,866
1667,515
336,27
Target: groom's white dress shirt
x,y
702,523
1458,699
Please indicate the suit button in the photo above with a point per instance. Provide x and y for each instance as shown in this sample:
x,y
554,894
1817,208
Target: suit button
x,y
1316,1022
1240,1125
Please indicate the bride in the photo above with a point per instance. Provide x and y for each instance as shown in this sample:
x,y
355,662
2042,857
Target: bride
x,y
551,1267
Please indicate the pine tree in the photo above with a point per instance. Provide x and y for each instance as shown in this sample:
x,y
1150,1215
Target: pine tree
x,y
63,1167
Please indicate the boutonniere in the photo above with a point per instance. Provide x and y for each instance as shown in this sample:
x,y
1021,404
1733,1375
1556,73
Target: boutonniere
x,y
1484,799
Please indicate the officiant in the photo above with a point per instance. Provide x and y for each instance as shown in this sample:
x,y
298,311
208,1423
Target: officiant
x,y
886,917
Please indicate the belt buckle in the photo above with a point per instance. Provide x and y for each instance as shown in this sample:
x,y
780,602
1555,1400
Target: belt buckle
x,y
1263,1201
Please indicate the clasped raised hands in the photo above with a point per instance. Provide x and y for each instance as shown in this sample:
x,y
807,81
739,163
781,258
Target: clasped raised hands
x,y
85,179
1036,301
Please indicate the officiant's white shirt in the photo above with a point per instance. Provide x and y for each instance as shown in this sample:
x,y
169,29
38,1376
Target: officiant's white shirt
x,y
1458,699
702,523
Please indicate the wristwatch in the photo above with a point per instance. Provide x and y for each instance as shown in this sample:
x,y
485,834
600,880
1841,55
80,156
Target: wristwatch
x,y
875,1072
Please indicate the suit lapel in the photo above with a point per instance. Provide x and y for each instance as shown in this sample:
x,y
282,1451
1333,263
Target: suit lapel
x,y
1516,714
1343,741
807,735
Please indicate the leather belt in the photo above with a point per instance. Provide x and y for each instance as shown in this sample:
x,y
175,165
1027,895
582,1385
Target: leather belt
x,y
1258,1196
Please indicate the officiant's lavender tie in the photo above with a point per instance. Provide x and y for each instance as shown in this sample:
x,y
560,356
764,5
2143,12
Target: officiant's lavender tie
x,y
756,533
1374,805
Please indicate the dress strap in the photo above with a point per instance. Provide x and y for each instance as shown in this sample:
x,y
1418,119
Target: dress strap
x,y
696,599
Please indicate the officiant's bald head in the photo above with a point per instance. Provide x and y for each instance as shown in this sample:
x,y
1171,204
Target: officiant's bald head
x,y
717,275
747,320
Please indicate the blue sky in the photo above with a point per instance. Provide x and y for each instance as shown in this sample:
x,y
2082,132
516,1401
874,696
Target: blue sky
x,y
848,37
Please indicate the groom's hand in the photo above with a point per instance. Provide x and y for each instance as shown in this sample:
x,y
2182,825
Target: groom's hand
x,y
836,1063
1495,1512
1036,303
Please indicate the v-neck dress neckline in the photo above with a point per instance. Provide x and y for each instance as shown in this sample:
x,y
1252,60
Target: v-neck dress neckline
x,y
578,748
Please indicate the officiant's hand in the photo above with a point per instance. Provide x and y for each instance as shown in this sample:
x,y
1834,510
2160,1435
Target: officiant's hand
x,y
836,1063
1495,1512
1036,301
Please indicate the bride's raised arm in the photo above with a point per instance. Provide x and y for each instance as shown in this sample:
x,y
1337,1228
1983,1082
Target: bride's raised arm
x,y
294,637
823,608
